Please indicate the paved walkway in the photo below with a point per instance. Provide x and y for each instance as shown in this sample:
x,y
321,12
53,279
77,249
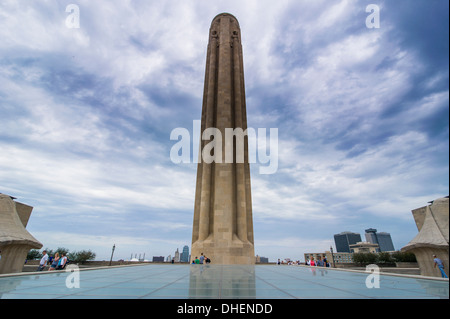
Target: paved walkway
x,y
217,282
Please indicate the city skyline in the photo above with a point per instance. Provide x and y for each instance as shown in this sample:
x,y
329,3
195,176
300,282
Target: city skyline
x,y
186,248
87,112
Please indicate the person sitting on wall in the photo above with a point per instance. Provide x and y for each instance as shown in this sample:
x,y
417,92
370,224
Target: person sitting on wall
x,y
54,262
43,261
62,262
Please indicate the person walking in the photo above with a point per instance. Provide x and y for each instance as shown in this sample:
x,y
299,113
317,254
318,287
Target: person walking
x,y
440,264
319,262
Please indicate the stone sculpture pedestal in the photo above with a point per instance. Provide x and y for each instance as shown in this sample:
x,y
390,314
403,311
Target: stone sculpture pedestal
x,y
15,240
432,239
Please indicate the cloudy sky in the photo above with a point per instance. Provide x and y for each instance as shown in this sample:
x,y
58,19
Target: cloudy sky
x,y
86,115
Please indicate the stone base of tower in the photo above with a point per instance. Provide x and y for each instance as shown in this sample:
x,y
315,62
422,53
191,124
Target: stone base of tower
x,y
234,253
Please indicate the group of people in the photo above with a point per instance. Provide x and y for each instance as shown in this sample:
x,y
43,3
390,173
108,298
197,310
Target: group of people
x,y
56,262
310,262
319,263
324,263
288,262
201,260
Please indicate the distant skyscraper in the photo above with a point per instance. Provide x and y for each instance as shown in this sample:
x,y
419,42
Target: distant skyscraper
x,y
383,239
185,255
344,240
371,236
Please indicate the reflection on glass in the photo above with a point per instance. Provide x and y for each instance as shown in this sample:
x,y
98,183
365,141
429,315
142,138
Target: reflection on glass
x,y
318,270
434,288
222,281
8,285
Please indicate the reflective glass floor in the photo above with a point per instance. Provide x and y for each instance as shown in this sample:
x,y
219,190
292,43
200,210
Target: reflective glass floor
x,y
216,282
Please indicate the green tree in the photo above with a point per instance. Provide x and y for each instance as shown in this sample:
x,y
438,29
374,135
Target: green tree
x,y
62,250
33,254
50,252
385,258
365,258
81,256
400,256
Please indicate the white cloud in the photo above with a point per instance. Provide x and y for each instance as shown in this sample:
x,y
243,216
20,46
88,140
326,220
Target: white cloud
x,y
83,183
286,201
382,177
85,114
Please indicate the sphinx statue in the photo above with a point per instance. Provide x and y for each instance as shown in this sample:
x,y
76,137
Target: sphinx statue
x,y
15,240
432,239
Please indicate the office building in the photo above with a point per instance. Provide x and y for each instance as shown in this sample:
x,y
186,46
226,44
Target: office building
x,y
364,247
344,240
383,239
185,255
339,258
371,235
262,260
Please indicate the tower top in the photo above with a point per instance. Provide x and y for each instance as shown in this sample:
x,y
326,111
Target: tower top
x,y
224,14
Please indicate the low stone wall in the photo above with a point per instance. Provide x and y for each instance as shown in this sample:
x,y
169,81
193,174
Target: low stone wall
x,y
407,265
102,263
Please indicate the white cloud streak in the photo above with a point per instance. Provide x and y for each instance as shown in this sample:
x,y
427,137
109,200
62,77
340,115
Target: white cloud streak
x,y
86,116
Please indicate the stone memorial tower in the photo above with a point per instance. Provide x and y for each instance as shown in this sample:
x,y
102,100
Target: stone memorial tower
x,y
223,222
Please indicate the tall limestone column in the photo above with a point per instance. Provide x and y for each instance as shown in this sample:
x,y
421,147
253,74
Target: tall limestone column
x,y
223,222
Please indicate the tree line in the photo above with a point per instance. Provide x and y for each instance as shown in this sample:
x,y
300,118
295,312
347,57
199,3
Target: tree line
x,y
77,256
383,257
